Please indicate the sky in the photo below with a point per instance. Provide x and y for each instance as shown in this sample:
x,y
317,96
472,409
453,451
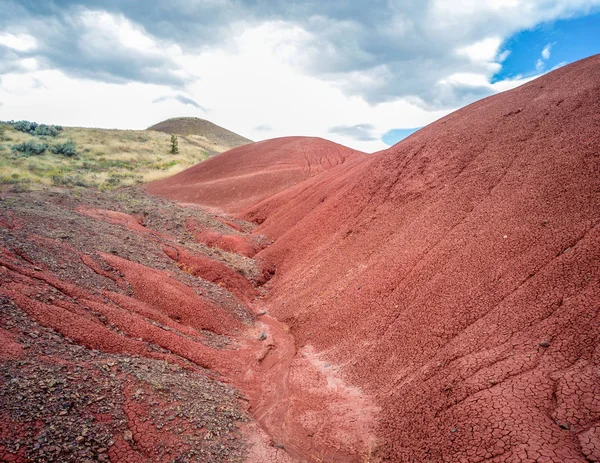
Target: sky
x,y
363,74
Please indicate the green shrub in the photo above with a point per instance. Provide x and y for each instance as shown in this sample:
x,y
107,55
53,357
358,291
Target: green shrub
x,y
43,130
25,126
33,128
30,148
68,149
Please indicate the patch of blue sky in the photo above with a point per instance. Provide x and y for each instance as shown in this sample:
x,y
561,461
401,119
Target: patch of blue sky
x,y
550,45
393,136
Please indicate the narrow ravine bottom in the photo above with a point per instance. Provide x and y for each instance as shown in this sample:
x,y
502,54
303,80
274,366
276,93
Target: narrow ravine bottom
x,y
300,401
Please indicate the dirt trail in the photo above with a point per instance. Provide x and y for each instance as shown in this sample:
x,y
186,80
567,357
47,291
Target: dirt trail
x,y
301,402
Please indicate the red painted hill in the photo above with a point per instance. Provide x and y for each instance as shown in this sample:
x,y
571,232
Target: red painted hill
x,y
248,174
435,302
456,276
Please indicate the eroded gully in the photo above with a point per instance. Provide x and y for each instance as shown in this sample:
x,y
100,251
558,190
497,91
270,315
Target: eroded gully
x,y
299,400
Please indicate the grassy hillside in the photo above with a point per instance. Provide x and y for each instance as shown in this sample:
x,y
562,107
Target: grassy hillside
x,y
104,159
220,137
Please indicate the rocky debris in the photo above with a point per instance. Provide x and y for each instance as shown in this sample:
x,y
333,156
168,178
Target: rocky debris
x,y
48,217
60,401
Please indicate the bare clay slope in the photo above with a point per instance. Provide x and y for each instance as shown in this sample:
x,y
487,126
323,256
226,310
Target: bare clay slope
x,y
247,175
456,276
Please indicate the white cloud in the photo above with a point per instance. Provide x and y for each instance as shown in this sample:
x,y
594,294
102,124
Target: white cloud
x,y
540,65
485,50
18,42
29,64
546,51
103,31
502,56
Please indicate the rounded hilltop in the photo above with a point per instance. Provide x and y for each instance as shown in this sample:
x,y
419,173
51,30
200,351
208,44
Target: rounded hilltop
x,y
246,175
187,126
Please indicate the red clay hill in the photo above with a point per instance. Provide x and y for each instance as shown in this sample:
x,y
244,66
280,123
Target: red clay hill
x,y
249,174
435,302
454,279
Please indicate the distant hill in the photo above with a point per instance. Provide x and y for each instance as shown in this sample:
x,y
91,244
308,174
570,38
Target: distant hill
x,y
103,158
249,174
218,139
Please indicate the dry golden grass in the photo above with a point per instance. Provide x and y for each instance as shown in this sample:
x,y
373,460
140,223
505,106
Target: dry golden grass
x,y
106,158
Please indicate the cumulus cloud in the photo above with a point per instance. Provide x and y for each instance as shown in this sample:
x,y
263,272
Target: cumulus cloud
x,y
361,132
387,51
400,49
95,44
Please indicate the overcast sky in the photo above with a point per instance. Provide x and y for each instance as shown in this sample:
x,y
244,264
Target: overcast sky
x,y
356,72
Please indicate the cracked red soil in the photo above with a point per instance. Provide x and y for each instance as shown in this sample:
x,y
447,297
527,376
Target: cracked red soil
x,y
437,301
454,277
